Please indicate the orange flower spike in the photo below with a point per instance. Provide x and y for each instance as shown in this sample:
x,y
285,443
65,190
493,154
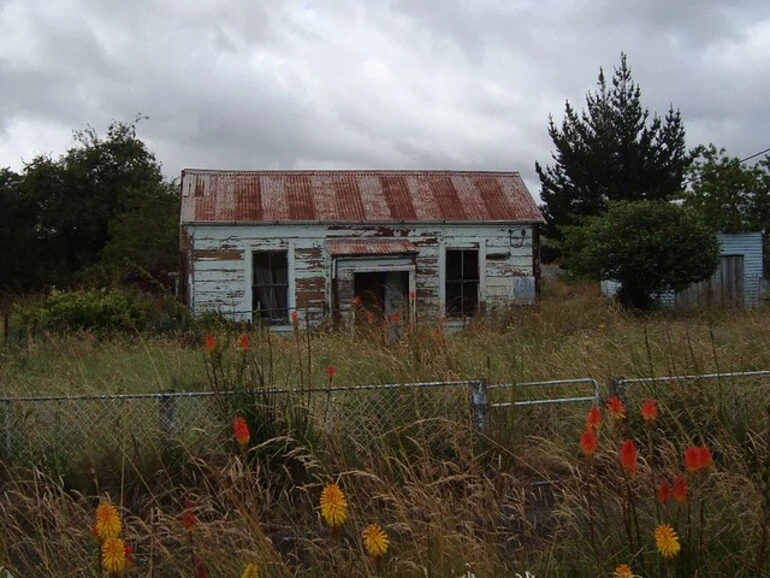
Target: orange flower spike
x,y
210,343
692,459
594,418
649,411
189,519
628,457
334,505
294,317
588,443
412,296
107,522
357,300
243,343
616,408
241,431
397,317
664,492
680,489
704,458
330,372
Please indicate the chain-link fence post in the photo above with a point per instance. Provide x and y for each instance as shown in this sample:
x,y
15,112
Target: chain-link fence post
x,y
8,430
168,417
479,405
618,387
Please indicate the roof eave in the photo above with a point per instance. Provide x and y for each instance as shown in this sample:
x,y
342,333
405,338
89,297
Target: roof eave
x,y
392,223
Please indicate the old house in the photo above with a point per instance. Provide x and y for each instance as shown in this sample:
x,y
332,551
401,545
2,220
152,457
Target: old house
x,y
259,245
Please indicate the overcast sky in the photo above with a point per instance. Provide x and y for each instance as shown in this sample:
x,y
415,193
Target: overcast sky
x,y
369,84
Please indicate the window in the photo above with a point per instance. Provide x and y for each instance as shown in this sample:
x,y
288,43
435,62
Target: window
x,y
270,288
462,282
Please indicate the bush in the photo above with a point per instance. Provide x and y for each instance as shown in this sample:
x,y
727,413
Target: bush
x,y
103,311
649,246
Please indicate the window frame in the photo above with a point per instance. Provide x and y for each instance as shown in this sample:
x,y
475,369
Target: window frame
x,y
464,281
256,315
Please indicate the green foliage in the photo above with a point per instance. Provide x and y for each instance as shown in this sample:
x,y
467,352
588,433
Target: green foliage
x,y
102,310
731,196
612,151
17,238
648,246
104,202
95,309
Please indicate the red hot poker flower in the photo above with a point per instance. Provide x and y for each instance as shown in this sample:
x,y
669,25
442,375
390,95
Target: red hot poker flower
x,y
588,443
704,457
294,317
680,489
397,317
200,568
210,343
628,457
594,418
241,431
664,492
692,459
243,343
616,408
649,410
189,520
330,372
412,296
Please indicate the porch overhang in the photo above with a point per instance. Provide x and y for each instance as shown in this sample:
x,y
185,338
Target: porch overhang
x,y
370,247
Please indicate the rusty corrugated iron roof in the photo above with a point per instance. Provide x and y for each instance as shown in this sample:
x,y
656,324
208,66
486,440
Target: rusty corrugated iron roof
x,y
355,196
378,246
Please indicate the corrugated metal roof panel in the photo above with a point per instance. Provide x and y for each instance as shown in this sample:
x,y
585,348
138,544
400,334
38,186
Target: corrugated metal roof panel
x,y
355,196
369,246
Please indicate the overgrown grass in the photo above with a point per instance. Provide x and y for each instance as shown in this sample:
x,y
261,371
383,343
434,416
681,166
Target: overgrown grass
x,y
452,501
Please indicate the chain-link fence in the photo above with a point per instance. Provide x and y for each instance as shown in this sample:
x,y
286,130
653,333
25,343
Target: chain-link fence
x,y
63,428
135,426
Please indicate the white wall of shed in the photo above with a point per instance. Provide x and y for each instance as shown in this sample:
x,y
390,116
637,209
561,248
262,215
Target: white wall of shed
x,y
225,284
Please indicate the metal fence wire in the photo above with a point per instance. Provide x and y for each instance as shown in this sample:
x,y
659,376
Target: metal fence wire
x,y
65,428
62,428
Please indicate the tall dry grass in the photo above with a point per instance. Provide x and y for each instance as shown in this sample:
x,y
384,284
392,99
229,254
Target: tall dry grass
x,y
519,499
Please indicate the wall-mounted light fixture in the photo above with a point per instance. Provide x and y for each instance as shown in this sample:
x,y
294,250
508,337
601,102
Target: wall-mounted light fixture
x,y
517,238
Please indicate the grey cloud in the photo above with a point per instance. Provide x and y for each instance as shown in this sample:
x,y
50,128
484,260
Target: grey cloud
x,y
350,84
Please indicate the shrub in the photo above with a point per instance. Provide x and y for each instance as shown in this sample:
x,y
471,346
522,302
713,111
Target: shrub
x,y
649,246
94,309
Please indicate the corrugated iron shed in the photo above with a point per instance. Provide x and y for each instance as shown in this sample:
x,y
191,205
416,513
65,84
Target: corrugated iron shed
x,y
355,196
370,246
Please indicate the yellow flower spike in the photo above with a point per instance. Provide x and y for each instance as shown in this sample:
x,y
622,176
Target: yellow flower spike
x,y
251,571
623,571
667,541
113,556
375,540
107,523
334,506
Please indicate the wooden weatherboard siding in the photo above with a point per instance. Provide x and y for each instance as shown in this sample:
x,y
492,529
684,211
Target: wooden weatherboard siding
x,y
741,250
220,273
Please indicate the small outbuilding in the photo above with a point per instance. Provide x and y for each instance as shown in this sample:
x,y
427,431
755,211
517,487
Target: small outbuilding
x,y
260,245
737,281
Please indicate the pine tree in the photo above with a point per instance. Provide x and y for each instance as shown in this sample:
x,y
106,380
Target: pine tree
x,y
612,151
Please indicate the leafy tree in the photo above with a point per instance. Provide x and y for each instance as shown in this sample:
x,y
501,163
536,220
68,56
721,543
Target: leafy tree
x,y
19,254
731,196
648,246
102,205
611,151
